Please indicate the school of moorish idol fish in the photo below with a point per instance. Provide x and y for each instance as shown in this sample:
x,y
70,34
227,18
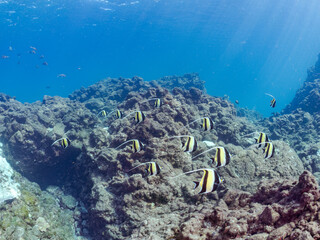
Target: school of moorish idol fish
x,y
210,179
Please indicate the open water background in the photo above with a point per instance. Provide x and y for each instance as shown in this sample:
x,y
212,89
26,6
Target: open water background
x,y
242,48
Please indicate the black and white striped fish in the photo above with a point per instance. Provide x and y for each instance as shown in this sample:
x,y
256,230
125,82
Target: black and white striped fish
x,y
64,142
262,139
209,182
152,168
269,150
158,103
190,145
119,114
136,145
222,157
273,101
207,124
139,117
102,113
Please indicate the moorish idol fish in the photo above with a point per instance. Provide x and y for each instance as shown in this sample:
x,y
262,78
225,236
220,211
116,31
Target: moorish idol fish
x,y
260,139
64,142
269,150
102,113
222,157
119,114
190,145
207,123
209,182
157,104
138,116
136,145
152,168
273,101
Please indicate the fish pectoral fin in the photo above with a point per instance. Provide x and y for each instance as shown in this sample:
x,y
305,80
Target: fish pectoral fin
x,y
196,184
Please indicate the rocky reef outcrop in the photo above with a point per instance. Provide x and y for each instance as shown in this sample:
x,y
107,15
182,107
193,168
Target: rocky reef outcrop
x,y
278,210
27,212
121,203
308,96
131,204
28,131
108,93
299,123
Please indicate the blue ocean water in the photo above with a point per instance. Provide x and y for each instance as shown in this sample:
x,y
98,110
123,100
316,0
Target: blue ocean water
x,y
241,48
